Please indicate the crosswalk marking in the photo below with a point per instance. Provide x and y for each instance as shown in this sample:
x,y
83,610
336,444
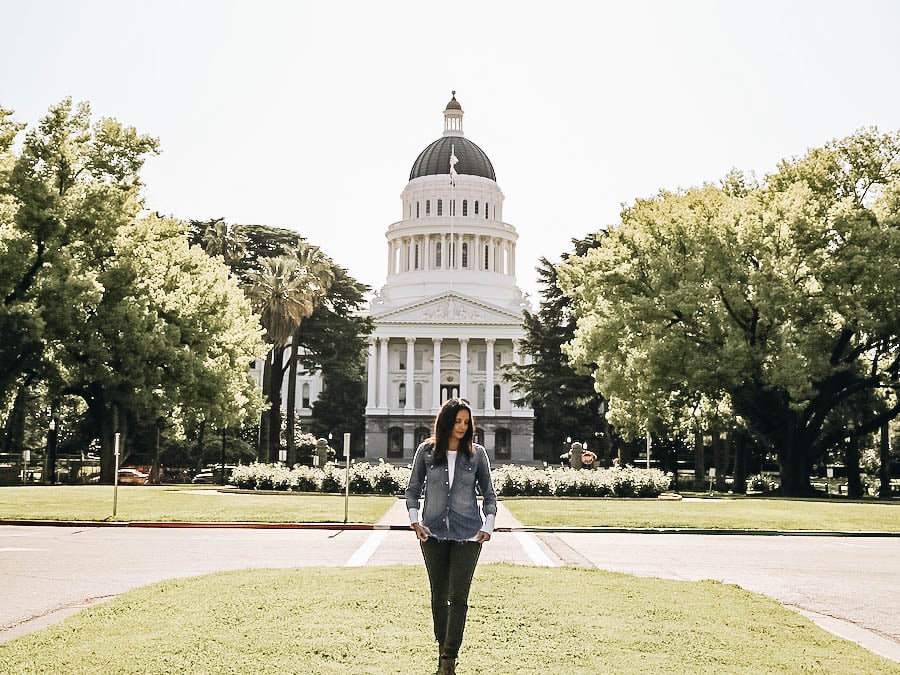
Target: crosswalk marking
x,y
361,556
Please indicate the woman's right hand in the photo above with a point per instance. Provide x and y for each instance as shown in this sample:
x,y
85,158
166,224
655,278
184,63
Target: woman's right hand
x,y
420,531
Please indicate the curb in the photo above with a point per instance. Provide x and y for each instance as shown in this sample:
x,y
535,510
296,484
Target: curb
x,y
369,526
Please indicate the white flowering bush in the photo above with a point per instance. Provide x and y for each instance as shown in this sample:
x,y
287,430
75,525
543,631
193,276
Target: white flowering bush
x,y
381,478
510,480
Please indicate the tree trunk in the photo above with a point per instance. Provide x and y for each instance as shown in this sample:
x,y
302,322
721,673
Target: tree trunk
x,y
292,403
794,469
740,462
15,425
275,379
154,472
262,444
851,464
720,460
200,438
884,473
699,462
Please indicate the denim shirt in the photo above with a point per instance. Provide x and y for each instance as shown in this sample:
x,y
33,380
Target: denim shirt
x,y
452,512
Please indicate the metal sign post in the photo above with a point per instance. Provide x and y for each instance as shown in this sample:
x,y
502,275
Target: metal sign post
x,y
712,477
347,476
116,476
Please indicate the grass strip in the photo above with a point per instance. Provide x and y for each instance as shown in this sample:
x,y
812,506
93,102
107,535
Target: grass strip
x,y
183,503
376,620
740,513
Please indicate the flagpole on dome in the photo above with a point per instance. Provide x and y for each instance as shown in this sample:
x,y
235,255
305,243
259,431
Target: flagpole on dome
x,y
452,258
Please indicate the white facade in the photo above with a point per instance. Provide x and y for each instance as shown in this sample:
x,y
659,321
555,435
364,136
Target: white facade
x,y
449,317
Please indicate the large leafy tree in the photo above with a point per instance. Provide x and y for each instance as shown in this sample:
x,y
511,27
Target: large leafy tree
x,y
776,304
101,304
170,337
565,402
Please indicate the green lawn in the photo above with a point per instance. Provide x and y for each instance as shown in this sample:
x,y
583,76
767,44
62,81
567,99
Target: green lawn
x,y
376,620
741,513
182,503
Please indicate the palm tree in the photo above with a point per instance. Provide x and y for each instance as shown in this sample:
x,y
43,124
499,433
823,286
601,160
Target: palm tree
x,y
220,238
320,270
283,291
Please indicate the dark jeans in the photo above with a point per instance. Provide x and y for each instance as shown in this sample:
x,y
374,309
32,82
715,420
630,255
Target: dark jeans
x,y
450,565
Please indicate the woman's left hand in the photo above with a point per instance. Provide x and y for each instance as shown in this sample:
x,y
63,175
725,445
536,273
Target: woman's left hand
x,y
482,536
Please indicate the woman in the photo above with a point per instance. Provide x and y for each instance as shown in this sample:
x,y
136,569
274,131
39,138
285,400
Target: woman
x,y
449,466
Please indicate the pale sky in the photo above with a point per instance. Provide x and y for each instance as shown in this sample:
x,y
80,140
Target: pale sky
x,y
310,115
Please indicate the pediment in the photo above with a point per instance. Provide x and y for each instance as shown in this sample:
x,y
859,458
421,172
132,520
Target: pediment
x,y
449,309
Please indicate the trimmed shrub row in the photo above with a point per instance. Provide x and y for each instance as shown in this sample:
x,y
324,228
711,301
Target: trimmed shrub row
x,y
509,480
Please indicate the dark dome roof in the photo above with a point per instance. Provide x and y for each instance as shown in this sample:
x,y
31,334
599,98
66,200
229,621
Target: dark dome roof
x,y
435,159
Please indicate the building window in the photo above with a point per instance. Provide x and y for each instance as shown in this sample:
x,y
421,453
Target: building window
x,y
437,255
419,356
498,359
465,207
476,207
485,210
305,395
482,361
487,256
465,255
440,207
401,358
502,445
416,262
401,395
420,435
417,398
496,397
479,403
479,435
395,442
427,207
417,209
452,207
451,254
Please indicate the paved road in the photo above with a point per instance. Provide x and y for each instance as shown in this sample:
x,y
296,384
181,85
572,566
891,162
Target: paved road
x,y
848,585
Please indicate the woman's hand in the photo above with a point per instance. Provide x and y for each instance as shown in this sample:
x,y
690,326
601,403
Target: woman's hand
x,y
482,536
420,531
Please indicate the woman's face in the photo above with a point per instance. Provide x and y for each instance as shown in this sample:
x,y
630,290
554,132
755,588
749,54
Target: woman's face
x,y
461,426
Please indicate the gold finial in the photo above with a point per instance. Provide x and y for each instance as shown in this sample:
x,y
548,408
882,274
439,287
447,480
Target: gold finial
x,y
454,93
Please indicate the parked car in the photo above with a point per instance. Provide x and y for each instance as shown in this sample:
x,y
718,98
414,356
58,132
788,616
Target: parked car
x,y
133,477
205,478
213,475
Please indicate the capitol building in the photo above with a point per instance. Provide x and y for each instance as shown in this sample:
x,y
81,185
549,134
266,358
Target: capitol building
x,y
448,319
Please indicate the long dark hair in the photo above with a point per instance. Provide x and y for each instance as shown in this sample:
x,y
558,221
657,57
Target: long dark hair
x,y
443,428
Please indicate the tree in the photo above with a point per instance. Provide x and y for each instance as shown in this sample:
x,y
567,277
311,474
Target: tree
x,y
333,341
774,303
565,402
106,306
284,292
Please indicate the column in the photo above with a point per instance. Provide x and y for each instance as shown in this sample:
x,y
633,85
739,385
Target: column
x,y
373,375
411,265
383,374
515,352
390,260
436,376
489,378
444,256
464,368
410,372
512,260
492,256
426,253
